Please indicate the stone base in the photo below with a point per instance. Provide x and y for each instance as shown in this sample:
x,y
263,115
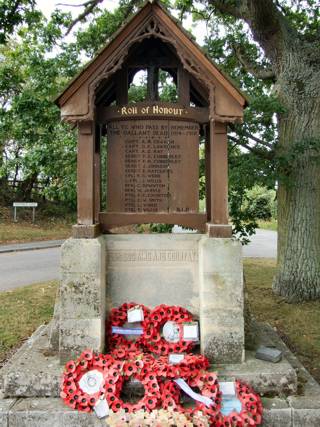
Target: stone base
x,y
34,371
218,230
23,378
51,412
202,274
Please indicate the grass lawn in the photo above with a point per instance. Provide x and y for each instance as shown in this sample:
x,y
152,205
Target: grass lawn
x,y
24,232
297,324
24,309
268,225
48,225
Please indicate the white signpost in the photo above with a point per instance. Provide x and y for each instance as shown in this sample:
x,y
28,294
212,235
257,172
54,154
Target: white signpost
x,y
32,205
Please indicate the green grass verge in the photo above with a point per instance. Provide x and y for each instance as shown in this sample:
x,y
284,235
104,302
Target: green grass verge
x,y
22,310
268,225
23,232
297,324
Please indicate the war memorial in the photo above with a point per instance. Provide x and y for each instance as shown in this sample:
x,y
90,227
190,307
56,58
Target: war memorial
x,y
152,176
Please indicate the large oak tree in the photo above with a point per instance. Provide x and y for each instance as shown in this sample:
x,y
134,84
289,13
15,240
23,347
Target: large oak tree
x,y
289,36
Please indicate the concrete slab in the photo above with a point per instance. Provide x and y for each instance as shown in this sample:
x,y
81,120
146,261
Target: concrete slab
x,y
270,379
276,412
49,412
32,371
5,406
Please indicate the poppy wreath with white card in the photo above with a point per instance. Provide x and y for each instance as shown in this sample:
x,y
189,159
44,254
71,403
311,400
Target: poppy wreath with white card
x,y
83,380
207,399
250,413
140,368
119,318
163,330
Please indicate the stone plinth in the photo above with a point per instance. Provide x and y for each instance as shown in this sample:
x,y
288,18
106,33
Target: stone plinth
x,y
153,269
199,273
221,300
194,271
82,299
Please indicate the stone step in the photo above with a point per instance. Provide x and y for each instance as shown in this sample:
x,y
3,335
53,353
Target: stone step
x,y
51,412
35,372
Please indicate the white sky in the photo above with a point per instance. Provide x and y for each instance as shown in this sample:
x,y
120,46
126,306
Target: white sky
x,y
47,7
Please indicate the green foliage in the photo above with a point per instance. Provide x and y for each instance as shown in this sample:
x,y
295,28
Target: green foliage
x,y
262,203
13,13
36,146
161,228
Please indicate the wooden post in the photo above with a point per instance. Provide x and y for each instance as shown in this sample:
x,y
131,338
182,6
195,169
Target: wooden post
x,y
122,86
86,226
97,173
207,170
183,87
218,226
152,84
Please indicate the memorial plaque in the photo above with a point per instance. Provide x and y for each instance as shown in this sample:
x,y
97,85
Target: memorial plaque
x,y
152,166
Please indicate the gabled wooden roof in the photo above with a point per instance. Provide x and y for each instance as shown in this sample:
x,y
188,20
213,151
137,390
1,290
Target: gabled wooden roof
x,y
75,101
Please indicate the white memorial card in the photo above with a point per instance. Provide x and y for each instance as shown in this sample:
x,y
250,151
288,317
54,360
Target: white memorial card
x,y
191,331
227,388
175,358
101,408
135,314
91,382
171,331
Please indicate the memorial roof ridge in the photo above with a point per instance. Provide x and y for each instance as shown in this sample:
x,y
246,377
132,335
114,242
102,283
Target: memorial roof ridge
x,y
156,9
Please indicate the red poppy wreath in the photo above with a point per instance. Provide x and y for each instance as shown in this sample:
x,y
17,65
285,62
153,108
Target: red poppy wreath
x,y
162,316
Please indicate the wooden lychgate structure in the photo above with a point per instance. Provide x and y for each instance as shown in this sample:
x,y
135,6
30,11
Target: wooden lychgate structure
x,y
152,152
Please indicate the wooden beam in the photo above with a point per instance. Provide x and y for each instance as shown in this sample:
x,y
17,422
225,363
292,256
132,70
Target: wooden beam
x,y
110,220
194,114
85,173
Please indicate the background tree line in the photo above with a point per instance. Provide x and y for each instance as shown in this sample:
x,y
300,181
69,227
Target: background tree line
x,y
271,49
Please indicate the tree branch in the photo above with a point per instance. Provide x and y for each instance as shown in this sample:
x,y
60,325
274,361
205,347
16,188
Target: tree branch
x,y
254,68
265,154
270,27
249,135
89,6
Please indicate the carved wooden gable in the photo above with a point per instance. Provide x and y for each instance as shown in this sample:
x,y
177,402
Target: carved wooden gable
x,y
78,100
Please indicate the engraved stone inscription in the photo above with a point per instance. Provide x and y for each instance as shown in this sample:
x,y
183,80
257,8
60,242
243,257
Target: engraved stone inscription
x,y
152,255
152,166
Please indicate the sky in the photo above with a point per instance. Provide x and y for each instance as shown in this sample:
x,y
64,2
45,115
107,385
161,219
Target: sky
x,y
47,7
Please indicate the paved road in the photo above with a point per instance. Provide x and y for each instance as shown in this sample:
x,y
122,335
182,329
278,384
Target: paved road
x,y
263,245
34,266
27,267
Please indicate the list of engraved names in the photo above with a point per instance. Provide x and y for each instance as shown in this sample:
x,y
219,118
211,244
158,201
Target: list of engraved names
x,y
150,155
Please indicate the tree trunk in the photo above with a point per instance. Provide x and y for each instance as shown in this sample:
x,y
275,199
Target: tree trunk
x,y
298,269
